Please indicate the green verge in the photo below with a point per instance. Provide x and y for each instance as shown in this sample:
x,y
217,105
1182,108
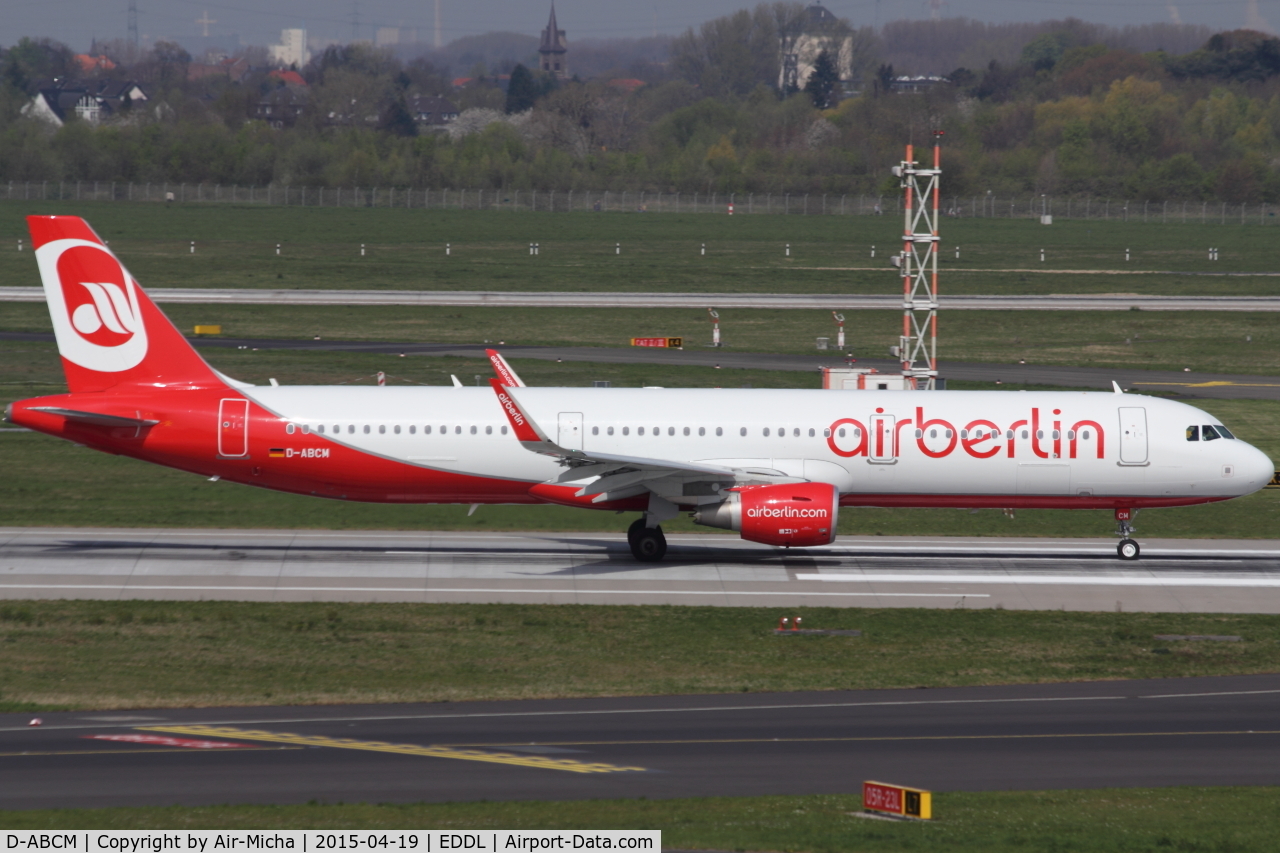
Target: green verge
x,y
1208,341
1211,820
81,655
49,482
320,248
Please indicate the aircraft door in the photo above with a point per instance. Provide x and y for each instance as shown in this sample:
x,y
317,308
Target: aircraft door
x,y
882,437
233,428
1133,435
570,433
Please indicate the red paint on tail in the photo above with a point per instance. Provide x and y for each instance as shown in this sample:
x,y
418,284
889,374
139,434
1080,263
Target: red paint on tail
x,y
109,332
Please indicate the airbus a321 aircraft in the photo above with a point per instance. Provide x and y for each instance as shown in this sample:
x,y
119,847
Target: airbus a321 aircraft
x,y
774,465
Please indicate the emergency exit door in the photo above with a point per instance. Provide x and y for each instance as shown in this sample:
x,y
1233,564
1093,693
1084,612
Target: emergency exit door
x,y
882,439
570,433
233,428
1133,435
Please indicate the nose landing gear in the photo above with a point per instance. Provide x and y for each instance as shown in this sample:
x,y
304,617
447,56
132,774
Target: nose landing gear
x,y
648,544
1127,549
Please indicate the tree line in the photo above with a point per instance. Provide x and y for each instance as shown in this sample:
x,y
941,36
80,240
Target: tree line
x,y
1076,109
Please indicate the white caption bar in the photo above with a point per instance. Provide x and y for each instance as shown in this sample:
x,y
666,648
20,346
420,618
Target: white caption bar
x,y
307,841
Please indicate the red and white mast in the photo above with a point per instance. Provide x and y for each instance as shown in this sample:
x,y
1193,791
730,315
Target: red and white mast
x,y
918,346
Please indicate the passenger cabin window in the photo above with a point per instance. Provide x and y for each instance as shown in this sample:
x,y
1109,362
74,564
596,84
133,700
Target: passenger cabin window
x,y
366,429
426,430
595,430
719,431
742,431
382,429
396,429
288,428
489,430
609,430
504,430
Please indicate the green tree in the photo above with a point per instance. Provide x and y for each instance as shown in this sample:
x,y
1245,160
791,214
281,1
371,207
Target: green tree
x,y
522,91
822,83
396,119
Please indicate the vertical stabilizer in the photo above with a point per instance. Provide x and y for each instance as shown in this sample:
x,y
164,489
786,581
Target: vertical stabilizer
x,y
109,332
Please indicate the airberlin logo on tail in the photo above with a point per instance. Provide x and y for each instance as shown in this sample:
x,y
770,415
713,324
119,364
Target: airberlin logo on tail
x,y
94,306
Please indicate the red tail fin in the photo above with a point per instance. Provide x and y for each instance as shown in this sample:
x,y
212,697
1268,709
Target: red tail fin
x,y
108,331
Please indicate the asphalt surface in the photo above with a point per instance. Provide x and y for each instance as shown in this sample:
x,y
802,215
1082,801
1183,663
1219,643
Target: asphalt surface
x,y
1203,731
1173,576
699,301
1187,384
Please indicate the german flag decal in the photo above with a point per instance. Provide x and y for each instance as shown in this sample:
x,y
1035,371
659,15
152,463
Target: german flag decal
x,y
276,452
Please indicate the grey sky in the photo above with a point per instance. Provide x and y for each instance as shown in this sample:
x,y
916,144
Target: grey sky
x,y
76,22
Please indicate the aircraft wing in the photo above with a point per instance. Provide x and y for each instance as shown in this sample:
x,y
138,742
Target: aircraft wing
x,y
507,376
614,476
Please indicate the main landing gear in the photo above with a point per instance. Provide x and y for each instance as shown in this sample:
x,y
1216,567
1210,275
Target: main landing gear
x,y
648,545
1127,549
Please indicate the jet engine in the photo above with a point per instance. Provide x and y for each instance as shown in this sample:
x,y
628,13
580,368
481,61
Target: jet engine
x,y
793,516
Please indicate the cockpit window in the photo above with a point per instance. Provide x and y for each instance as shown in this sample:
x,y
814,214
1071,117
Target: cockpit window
x,y
1193,433
1209,432
1223,431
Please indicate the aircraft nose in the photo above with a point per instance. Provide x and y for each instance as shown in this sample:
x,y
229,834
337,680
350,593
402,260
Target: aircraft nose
x,y
1257,467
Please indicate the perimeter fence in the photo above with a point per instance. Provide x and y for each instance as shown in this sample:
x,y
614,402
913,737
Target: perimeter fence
x,y
560,201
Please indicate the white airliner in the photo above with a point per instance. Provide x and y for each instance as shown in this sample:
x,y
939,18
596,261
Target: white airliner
x,y
774,465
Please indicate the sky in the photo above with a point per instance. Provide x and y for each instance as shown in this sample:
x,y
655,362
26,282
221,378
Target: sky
x,y
77,22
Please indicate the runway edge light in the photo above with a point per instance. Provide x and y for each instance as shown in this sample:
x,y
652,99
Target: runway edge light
x,y
914,803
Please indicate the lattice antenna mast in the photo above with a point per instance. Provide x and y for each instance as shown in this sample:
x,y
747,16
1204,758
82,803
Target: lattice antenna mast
x,y
133,27
918,347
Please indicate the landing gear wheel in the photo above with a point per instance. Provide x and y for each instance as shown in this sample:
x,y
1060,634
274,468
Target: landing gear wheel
x,y
648,545
1128,549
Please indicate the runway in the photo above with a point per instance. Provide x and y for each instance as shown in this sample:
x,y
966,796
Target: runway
x,y
1188,384
699,301
1203,731
1174,576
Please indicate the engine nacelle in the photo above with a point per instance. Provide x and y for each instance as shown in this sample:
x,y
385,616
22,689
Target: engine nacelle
x,y
794,516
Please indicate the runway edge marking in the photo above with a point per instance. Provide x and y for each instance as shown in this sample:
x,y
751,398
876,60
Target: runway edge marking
x,y
399,748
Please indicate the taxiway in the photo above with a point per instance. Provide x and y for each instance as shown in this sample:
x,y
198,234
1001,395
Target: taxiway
x,y
1201,731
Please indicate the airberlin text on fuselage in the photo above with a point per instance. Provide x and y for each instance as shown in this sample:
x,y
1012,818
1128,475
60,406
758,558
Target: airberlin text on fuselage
x,y
1037,435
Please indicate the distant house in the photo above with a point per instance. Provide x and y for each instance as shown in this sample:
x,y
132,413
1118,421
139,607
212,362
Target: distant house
x,y
906,84
233,68
57,101
281,107
288,77
88,64
502,81
432,111
626,84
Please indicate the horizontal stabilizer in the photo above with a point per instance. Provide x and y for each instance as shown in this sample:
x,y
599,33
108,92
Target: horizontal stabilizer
x,y
94,418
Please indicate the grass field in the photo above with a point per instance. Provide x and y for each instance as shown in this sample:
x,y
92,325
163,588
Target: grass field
x,y
1224,342
1196,820
82,655
405,249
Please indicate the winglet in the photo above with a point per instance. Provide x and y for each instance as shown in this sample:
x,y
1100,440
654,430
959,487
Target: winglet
x,y
505,374
1116,385
525,429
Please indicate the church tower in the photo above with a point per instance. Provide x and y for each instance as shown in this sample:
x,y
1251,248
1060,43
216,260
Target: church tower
x,y
553,49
